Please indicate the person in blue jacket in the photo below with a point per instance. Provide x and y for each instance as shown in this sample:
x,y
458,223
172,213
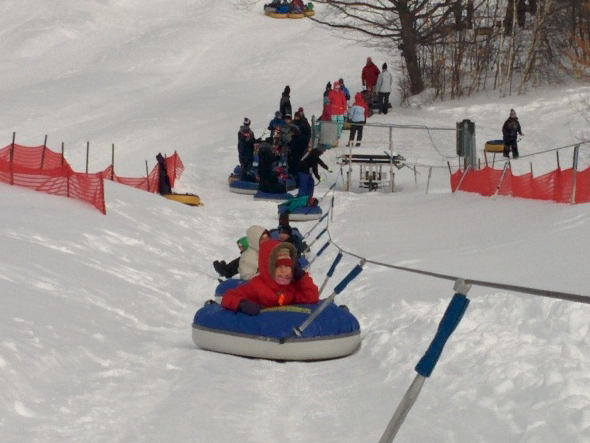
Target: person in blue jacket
x,y
275,123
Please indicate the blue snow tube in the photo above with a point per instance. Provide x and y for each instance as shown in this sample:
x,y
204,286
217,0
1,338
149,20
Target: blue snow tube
x,y
279,322
225,285
274,197
303,213
243,187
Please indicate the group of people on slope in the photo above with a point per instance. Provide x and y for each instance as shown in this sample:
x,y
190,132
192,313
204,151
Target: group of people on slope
x,y
285,153
288,7
270,267
378,85
336,109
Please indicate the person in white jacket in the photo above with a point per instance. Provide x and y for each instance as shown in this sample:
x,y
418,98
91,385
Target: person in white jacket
x,y
248,266
384,82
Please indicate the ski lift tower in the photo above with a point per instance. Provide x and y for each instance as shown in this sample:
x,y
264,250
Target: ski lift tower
x,y
466,143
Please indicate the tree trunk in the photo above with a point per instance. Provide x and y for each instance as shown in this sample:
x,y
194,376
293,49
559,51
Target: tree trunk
x,y
410,51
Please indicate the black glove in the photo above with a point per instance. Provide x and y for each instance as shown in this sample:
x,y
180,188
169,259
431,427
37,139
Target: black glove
x,y
298,272
249,307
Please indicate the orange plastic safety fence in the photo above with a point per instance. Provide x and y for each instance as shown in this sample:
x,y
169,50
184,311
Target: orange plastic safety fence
x,y
555,186
60,181
39,168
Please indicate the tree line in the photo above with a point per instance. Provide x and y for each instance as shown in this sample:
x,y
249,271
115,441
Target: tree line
x,y
458,47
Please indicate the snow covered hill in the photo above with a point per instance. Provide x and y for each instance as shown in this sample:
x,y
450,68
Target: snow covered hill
x,y
96,311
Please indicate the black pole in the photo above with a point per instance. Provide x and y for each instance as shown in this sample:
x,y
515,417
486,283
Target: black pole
x,y
147,173
43,152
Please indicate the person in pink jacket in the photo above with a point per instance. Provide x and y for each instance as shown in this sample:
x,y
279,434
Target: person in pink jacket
x,y
338,106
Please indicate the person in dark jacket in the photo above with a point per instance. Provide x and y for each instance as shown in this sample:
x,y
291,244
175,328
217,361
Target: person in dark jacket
x,y
269,181
308,166
510,132
303,124
164,186
297,149
285,103
246,141
286,235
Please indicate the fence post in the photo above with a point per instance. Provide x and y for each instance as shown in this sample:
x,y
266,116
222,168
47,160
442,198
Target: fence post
x,y
43,152
428,181
314,142
462,177
147,173
575,174
12,158
62,153
87,155
466,142
501,178
113,162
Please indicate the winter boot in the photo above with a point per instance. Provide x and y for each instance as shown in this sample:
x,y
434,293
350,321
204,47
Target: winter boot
x,y
219,267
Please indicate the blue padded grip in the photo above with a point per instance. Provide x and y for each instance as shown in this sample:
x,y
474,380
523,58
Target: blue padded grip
x,y
447,325
351,276
333,267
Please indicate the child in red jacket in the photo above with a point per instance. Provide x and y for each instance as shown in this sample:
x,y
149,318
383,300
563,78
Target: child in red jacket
x,y
279,282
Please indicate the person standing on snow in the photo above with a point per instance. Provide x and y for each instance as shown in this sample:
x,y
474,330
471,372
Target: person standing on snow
x,y
246,141
383,87
344,89
357,115
164,186
275,123
338,106
285,103
308,166
510,132
369,75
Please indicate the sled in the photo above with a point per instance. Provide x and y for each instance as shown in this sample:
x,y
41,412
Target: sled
x,y
309,13
297,15
187,199
494,146
277,15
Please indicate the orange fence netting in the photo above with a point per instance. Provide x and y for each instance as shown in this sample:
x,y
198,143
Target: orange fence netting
x,y
557,186
40,169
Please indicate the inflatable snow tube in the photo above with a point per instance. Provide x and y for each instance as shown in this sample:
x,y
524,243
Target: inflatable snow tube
x,y
309,13
230,283
278,15
274,233
187,199
304,213
272,197
494,146
296,15
243,187
334,333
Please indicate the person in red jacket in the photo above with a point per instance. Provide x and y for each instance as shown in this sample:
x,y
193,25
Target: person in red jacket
x,y
338,106
369,75
280,282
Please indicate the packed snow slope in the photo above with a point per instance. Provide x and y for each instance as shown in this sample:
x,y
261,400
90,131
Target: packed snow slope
x,y
96,311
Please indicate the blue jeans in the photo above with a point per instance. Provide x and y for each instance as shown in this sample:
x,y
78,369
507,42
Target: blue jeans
x,y
306,185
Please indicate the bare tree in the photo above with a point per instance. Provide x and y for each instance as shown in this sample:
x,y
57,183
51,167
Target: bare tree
x,y
400,24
